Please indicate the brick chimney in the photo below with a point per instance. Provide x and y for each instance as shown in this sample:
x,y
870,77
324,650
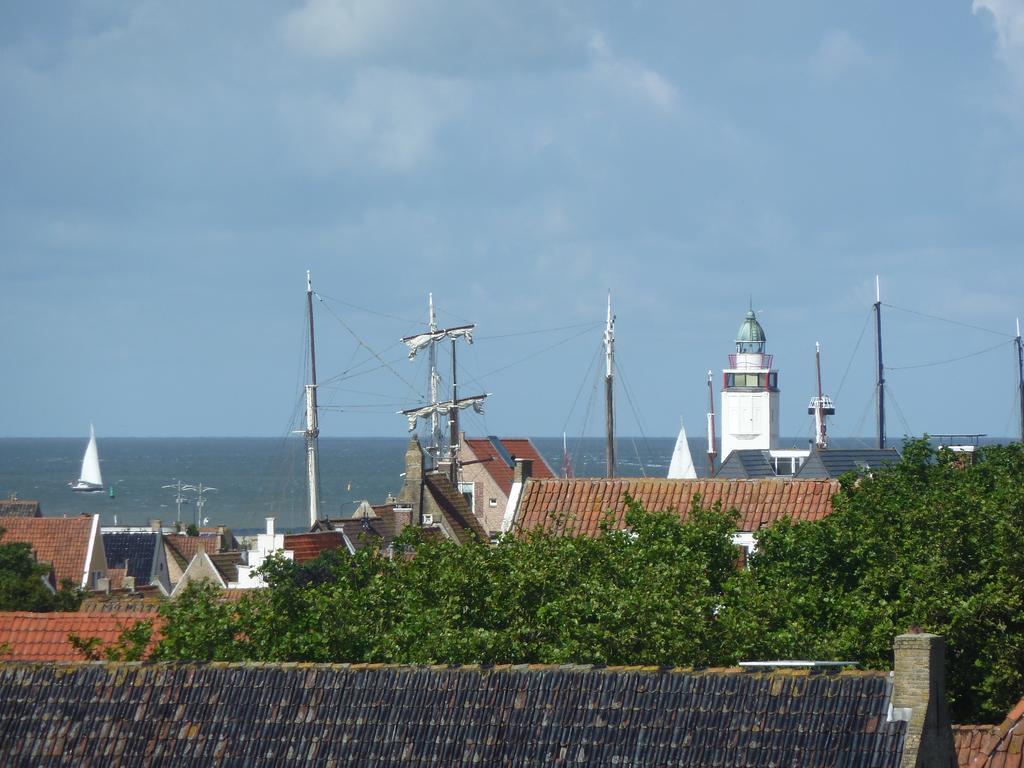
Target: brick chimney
x,y
919,698
522,470
412,491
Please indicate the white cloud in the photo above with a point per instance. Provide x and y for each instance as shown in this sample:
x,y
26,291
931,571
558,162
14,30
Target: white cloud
x,y
840,53
463,36
1008,16
390,120
346,28
631,76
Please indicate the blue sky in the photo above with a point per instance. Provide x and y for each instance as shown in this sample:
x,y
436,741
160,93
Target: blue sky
x,y
171,169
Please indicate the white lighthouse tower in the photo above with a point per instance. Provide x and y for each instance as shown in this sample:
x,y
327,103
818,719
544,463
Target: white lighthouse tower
x,y
750,393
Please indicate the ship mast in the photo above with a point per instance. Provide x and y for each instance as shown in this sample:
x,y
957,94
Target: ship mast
x,y
436,437
453,423
312,427
449,408
1020,378
880,381
821,406
609,410
712,452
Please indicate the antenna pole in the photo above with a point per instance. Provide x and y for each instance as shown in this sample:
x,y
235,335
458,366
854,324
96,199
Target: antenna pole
x,y
312,425
1020,379
609,410
453,420
880,382
712,451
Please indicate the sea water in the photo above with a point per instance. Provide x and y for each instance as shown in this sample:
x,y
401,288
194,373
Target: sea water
x,y
256,478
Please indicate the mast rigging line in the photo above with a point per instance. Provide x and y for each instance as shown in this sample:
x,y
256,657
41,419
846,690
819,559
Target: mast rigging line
x,y
590,325
536,353
321,297
899,411
586,377
856,347
945,320
636,415
950,360
384,363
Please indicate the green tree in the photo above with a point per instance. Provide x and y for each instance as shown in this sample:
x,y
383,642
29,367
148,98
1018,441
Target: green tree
x,y
21,583
930,541
130,645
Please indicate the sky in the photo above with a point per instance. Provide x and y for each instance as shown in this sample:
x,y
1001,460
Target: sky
x,y
169,170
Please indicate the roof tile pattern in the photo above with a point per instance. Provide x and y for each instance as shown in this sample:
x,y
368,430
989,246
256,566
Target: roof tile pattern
x,y
277,715
20,508
456,509
497,468
226,564
44,636
745,464
62,542
308,546
584,501
137,550
992,746
838,461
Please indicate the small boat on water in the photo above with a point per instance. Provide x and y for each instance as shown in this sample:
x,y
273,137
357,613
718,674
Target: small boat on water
x,y
90,480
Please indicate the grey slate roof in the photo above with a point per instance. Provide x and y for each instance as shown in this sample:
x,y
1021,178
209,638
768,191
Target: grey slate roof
x,y
136,549
288,714
20,508
746,465
834,462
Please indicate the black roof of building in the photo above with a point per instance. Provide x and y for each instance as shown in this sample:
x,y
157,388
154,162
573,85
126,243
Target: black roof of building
x,y
134,551
291,714
833,462
14,507
746,465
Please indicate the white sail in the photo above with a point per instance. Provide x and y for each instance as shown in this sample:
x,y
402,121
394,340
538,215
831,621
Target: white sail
x,y
682,467
90,474
421,340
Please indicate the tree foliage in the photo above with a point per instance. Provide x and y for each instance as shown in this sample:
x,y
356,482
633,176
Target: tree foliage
x,y
21,583
130,645
926,542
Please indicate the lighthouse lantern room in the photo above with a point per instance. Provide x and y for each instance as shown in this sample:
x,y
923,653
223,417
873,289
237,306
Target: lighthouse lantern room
x,y
750,393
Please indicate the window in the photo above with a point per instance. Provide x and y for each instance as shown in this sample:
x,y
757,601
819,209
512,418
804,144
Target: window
x,y
468,491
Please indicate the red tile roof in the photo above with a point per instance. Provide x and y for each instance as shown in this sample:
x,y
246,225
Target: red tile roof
x,y
491,460
147,599
306,546
62,542
184,547
991,746
584,501
44,636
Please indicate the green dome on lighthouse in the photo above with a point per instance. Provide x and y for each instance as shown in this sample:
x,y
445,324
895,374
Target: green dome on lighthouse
x,y
750,338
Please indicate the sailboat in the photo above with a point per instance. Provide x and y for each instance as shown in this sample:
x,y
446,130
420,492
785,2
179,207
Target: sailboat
x,y
89,480
682,462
